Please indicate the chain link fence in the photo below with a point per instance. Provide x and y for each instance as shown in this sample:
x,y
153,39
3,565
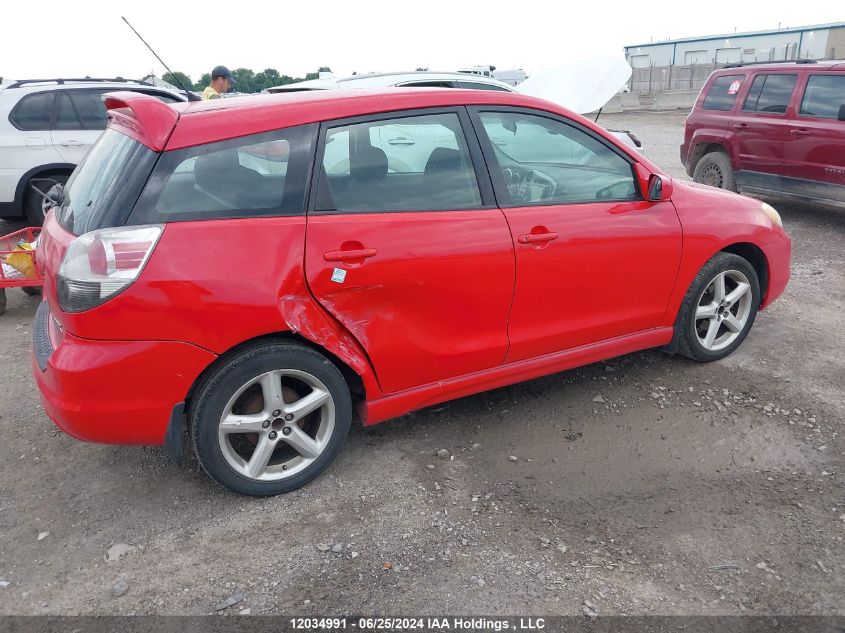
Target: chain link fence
x,y
654,79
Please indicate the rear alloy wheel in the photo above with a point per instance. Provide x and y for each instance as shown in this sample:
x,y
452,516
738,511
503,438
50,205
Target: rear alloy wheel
x,y
271,419
719,308
715,169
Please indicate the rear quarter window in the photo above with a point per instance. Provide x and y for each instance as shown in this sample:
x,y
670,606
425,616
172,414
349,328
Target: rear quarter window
x,y
722,93
257,175
34,111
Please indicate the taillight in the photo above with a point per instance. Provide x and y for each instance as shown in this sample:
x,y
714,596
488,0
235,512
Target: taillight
x,y
102,263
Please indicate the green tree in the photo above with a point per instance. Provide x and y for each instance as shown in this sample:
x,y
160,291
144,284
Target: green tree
x,y
178,79
203,83
244,80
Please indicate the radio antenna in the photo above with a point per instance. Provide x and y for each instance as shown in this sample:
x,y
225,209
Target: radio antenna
x,y
191,96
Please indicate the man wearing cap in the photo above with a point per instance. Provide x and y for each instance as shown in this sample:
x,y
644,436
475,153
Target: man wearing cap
x,y
221,81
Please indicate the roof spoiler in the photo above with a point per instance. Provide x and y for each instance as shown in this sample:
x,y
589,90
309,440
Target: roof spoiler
x,y
145,118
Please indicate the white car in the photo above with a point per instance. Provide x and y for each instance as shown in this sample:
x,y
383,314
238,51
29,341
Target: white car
x,y
427,79
46,127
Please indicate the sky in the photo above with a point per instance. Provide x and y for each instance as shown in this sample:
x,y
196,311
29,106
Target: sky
x,y
75,39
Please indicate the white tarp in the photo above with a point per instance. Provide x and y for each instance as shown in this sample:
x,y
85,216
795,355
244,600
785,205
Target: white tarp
x,y
581,85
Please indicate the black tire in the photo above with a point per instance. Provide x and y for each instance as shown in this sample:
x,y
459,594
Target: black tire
x,y
215,392
32,291
689,342
34,205
714,169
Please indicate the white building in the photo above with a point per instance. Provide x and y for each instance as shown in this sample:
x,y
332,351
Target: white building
x,y
822,41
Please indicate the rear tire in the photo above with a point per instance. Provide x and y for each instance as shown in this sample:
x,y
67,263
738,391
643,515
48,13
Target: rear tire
x,y
32,291
34,205
715,169
719,308
270,419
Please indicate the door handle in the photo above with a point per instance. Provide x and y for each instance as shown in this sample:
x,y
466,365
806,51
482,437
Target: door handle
x,y
401,141
71,143
536,238
800,132
740,126
339,256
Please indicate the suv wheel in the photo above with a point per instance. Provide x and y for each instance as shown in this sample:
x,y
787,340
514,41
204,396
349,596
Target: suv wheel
x,y
35,207
719,308
714,169
270,419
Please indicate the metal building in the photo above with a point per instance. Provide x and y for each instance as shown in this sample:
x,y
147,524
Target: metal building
x,y
822,41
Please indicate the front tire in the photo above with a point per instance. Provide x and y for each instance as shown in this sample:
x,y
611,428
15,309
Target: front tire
x,y
714,169
270,419
719,308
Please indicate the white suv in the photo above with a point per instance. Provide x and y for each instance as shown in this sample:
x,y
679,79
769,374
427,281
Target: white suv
x,y
46,127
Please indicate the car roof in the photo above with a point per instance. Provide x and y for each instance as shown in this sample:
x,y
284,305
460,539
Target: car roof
x,y
27,86
202,122
387,79
786,67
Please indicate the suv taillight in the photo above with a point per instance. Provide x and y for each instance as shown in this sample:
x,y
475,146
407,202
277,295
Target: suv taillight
x,y
102,263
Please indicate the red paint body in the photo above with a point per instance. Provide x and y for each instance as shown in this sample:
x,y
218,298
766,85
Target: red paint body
x,y
794,153
436,305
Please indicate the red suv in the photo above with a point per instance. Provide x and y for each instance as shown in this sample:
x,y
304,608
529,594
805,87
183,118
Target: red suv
x,y
256,269
771,129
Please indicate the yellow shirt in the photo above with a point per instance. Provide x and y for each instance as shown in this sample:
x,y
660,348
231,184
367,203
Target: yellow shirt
x,y
210,93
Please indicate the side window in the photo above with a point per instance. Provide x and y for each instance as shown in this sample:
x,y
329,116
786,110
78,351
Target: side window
x,y
473,85
262,174
66,118
546,161
418,163
824,95
770,93
34,112
89,108
722,92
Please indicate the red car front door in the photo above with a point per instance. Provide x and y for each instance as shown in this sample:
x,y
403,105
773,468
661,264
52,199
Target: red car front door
x,y
594,260
406,248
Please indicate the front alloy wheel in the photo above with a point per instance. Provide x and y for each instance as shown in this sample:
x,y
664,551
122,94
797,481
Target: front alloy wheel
x,y
719,308
723,310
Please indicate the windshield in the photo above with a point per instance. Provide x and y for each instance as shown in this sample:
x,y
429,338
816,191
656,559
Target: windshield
x,y
104,187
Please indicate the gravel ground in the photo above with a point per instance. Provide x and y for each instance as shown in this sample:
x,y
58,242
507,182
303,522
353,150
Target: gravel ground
x,y
645,485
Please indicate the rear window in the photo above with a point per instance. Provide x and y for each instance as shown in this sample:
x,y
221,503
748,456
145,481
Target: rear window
x,y
106,184
256,175
824,95
770,93
722,92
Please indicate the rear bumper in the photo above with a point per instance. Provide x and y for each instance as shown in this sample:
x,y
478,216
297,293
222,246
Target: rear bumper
x,y
113,392
778,252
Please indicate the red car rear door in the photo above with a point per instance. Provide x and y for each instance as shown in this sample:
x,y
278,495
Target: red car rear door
x,y
594,260
406,247
815,147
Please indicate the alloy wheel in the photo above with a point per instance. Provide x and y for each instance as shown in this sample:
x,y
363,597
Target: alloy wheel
x,y
723,309
276,424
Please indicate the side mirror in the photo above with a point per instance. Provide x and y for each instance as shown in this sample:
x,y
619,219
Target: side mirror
x,y
659,188
841,116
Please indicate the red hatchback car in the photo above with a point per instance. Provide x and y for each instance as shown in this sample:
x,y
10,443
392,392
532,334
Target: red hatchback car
x,y
259,268
773,129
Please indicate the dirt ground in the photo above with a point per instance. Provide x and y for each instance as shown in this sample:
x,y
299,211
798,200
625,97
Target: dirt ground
x,y
645,485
